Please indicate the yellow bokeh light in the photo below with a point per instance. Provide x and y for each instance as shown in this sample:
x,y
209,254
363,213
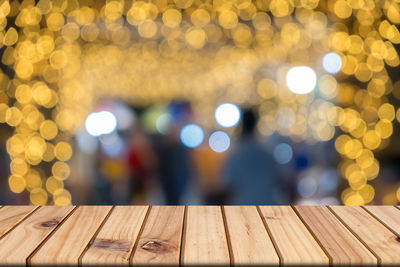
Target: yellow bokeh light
x,y
60,170
16,183
371,139
62,197
48,129
386,112
53,184
64,53
63,151
38,197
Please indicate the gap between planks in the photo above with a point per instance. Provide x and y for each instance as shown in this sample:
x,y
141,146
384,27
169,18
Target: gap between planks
x,y
184,230
94,236
28,263
139,235
355,235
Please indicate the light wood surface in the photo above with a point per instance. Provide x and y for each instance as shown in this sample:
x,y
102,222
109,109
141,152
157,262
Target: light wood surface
x,y
160,242
20,243
205,238
114,243
10,216
199,235
339,243
295,244
380,240
250,241
388,215
69,241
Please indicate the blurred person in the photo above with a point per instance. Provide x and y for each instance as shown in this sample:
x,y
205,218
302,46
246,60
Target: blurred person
x,y
174,167
251,175
141,162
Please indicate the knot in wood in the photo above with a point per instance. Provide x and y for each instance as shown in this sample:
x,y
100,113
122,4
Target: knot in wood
x,y
50,223
155,246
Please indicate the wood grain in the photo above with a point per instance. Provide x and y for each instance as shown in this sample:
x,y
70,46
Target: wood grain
x,y
388,215
205,238
199,235
375,235
250,241
68,242
21,241
160,241
294,242
115,241
12,215
340,244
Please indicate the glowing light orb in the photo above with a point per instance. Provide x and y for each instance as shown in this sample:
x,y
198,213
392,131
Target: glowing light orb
x,y
227,115
219,141
192,135
332,63
99,123
163,122
301,80
283,153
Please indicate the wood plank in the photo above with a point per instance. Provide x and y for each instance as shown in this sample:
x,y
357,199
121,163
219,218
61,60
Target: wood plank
x,y
23,239
375,235
294,242
340,244
160,241
205,237
68,242
388,215
12,215
114,243
250,242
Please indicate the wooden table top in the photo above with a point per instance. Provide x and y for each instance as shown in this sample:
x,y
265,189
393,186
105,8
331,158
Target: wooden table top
x,y
133,235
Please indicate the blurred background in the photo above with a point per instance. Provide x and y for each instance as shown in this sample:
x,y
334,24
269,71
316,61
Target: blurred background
x,y
199,102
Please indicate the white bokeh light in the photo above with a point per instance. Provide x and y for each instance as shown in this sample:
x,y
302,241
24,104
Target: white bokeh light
x,y
332,63
192,135
98,123
227,115
301,79
219,141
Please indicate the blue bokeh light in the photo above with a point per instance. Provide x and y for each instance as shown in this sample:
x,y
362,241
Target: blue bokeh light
x,y
192,135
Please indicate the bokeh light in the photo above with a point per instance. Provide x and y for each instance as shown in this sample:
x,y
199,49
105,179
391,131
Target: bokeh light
x,y
219,141
227,115
62,60
192,135
301,79
163,123
332,63
102,122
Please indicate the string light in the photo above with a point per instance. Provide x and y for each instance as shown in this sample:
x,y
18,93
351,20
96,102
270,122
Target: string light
x,y
67,55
